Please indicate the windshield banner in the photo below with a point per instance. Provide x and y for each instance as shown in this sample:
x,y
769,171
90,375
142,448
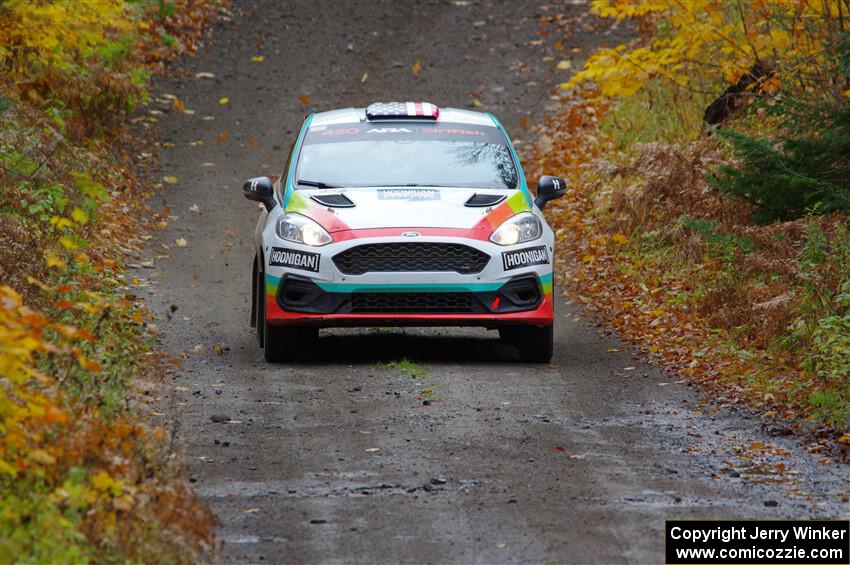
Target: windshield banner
x,y
403,132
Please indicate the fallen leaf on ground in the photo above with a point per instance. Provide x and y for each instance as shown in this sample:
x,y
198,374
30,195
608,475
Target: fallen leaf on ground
x,y
258,58
416,68
364,77
204,75
181,242
224,100
304,99
251,510
178,104
194,209
254,143
170,179
222,137
564,65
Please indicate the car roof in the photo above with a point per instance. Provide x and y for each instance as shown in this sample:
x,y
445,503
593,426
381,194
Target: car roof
x,y
447,115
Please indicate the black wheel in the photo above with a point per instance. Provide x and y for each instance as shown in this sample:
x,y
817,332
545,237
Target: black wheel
x,y
260,293
254,279
287,343
280,343
535,344
509,334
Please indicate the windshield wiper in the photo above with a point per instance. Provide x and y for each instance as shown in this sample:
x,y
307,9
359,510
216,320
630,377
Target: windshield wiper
x,y
316,183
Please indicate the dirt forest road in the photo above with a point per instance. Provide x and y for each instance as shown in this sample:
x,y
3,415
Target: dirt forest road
x,y
341,459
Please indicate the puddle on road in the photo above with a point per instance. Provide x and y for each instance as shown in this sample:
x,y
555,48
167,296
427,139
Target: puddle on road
x,y
292,489
246,539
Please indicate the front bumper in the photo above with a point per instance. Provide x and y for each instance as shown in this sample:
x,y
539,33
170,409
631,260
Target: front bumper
x,y
325,297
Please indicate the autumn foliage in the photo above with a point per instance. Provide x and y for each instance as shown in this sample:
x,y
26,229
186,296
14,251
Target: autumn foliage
x,y
82,476
659,228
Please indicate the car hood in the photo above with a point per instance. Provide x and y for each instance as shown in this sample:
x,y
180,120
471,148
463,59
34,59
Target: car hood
x,y
403,207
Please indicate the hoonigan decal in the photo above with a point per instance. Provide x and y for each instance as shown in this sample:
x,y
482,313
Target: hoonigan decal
x,y
294,259
525,257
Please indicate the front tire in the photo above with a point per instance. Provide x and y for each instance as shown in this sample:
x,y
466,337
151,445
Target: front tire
x,y
282,343
535,344
288,343
260,294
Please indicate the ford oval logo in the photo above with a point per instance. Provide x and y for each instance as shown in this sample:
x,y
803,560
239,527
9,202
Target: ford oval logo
x,y
411,234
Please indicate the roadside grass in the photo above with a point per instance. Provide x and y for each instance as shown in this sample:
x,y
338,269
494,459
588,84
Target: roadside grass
x,y
723,253
656,113
405,367
83,477
755,314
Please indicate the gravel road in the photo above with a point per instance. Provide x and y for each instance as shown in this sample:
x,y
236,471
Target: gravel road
x,y
477,458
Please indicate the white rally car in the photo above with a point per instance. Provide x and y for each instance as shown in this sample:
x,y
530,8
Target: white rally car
x,y
402,214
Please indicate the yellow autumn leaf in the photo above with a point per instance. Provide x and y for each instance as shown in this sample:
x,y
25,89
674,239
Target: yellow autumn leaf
x,y
68,243
79,215
258,58
53,260
61,222
847,93
90,308
620,238
224,100
102,481
416,68
42,457
181,242
170,179
564,65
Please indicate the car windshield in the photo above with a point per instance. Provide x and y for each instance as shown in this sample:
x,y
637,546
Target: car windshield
x,y
405,154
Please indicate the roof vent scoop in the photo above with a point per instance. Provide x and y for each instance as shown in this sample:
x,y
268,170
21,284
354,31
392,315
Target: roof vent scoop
x,y
333,200
484,200
402,111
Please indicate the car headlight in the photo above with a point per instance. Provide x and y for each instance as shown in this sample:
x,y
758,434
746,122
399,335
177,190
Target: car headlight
x,y
519,229
301,229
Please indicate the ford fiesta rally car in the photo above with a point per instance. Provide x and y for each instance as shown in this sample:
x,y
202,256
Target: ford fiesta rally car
x,y
402,214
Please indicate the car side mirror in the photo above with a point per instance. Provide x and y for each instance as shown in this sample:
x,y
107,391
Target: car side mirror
x,y
549,188
260,189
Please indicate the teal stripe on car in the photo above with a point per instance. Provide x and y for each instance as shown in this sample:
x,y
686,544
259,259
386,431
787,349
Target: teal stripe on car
x,y
272,282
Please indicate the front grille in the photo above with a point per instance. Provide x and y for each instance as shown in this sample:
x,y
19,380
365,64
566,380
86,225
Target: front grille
x,y
411,257
411,303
